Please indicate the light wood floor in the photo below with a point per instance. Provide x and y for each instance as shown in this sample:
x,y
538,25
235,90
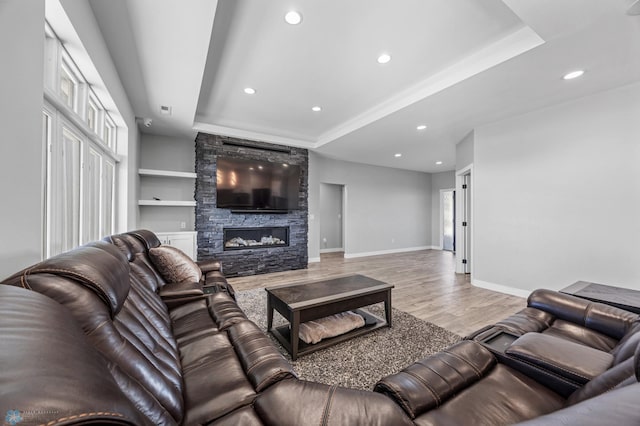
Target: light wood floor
x,y
425,286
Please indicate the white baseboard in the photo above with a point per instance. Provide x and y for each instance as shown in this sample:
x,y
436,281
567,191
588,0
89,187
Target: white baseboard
x,y
392,251
313,260
501,288
331,250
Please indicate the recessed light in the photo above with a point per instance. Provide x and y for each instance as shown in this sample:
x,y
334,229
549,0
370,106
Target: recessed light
x,y
260,167
384,58
398,155
573,74
285,165
438,162
249,90
293,17
421,127
316,109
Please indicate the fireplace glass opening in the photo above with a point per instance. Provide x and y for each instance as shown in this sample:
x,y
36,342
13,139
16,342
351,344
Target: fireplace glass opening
x,y
252,238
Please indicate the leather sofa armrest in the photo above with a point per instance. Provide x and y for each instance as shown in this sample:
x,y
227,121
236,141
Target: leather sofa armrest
x,y
179,290
603,318
309,403
261,360
565,358
177,294
209,265
429,382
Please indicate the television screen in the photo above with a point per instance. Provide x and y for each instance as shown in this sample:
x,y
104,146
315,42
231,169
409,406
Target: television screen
x,y
256,185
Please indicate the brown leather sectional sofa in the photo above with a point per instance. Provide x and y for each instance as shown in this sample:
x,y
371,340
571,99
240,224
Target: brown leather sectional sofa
x,y
98,335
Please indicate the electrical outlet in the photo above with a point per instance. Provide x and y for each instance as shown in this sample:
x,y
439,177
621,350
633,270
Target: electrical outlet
x,y
183,225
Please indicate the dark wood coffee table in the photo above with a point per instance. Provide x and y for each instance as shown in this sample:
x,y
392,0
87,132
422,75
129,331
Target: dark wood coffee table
x,y
304,302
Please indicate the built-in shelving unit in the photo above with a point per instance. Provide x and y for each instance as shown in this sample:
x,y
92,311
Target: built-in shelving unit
x,y
166,203
167,173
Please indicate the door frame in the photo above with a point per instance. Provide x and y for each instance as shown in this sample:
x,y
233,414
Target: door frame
x,y
461,244
343,220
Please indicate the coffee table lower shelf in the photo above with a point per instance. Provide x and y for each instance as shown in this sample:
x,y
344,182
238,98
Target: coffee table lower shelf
x,y
371,322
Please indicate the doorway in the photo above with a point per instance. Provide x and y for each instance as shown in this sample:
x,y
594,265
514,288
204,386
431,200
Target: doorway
x,y
331,218
464,220
448,219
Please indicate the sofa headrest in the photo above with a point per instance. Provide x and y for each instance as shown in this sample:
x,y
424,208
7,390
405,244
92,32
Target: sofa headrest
x,y
49,365
99,266
148,238
128,244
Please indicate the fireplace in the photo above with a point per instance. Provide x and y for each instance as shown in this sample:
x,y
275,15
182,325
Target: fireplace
x,y
256,238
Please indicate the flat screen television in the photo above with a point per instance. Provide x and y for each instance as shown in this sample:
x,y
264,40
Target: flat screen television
x,y
260,186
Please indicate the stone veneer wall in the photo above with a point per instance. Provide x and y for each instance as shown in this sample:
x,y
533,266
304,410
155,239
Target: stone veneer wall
x,y
210,220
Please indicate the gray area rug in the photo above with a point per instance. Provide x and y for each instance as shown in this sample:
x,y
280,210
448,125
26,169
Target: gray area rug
x,y
359,362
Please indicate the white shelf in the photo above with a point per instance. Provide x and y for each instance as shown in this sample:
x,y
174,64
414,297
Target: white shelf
x,y
167,173
173,203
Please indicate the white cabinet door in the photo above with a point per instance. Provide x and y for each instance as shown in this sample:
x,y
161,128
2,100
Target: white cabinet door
x,y
185,241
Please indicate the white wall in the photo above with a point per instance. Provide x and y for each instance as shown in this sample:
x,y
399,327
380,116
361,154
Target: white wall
x,y
386,209
21,149
443,180
167,153
464,151
557,195
313,240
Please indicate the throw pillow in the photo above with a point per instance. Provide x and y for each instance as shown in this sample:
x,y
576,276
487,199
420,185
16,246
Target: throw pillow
x,y
174,265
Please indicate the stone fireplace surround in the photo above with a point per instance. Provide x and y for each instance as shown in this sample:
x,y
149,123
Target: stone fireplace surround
x,y
212,221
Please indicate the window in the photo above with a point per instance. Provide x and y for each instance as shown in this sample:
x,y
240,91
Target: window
x,y
68,87
109,134
92,116
81,161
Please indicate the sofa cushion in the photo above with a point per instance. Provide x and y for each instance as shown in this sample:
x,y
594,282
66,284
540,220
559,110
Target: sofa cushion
x,y
565,358
502,397
215,383
298,402
191,320
174,265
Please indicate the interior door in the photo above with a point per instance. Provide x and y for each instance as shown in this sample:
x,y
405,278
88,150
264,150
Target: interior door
x,y
466,224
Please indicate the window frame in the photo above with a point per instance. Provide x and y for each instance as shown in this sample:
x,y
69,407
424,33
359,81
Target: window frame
x,y
97,141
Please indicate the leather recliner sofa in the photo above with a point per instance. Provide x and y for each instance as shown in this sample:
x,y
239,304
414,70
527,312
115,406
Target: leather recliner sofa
x,y
194,360
110,341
